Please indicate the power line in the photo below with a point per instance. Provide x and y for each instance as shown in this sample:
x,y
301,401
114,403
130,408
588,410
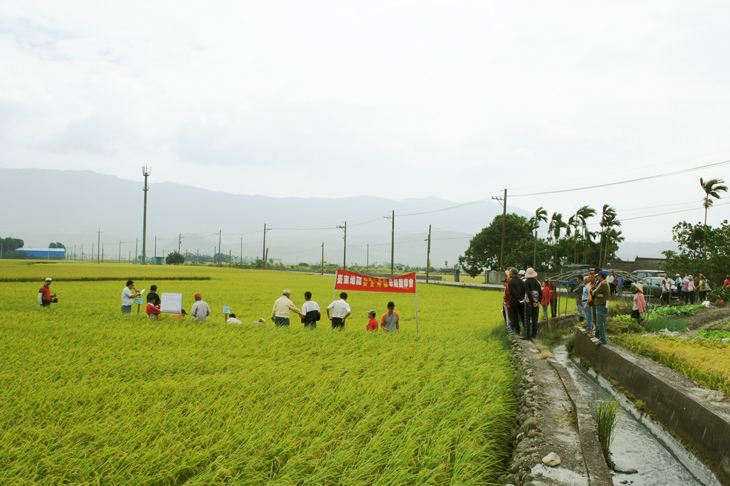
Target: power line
x,y
608,184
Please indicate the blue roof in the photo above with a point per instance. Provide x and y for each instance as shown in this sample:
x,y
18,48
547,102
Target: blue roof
x,y
41,249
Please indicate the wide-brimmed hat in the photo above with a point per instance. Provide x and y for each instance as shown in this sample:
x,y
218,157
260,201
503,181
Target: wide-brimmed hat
x,y
639,287
531,273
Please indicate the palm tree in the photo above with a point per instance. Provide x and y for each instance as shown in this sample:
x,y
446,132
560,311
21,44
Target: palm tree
x,y
540,215
612,236
712,189
574,223
609,220
583,214
554,229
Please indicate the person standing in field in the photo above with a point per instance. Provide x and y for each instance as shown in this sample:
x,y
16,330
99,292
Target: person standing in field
x,y
545,300
666,290
283,306
232,319
390,322
153,296
587,302
579,299
44,294
553,300
639,306
128,295
200,310
372,323
533,296
338,311
505,306
726,283
153,309
516,289
704,288
601,296
621,283
311,312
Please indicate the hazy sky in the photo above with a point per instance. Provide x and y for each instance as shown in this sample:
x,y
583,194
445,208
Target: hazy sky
x,y
397,99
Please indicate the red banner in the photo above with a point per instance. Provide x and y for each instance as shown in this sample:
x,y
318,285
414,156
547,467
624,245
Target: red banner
x,y
402,284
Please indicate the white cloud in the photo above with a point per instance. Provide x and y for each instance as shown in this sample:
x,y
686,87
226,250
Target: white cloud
x,y
453,99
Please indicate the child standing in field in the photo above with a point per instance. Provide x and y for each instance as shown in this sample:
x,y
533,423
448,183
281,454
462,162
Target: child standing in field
x,y
390,320
372,324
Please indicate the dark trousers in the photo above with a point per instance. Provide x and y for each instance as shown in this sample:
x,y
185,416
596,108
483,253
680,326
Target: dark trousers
x,y
636,315
337,323
553,307
281,321
532,314
516,315
665,298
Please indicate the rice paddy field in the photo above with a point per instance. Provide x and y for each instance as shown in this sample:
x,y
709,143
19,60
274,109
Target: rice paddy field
x,y
91,396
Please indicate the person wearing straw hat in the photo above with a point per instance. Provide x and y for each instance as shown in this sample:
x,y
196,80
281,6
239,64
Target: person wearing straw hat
x,y
533,295
639,306
44,294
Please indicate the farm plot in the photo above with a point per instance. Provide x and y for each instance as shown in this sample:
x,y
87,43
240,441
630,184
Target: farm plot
x,y
93,397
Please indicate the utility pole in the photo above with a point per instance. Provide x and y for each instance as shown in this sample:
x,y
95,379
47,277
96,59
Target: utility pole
x,y
92,253
197,256
146,173
241,251
229,259
136,249
344,254
120,251
155,248
323,258
82,252
98,246
392,240
102,252
428,254
263,251
504,220
220,232
179,242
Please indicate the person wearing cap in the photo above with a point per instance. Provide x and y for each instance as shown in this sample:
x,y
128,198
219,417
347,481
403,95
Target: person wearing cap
x,y
44,294
283,307
522,275
372,323
311,312
516,288
390,321
200,310
533,296
639,306
601,295
128,295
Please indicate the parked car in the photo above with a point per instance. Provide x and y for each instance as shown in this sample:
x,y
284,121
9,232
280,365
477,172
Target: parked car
x,y
653,287
648,273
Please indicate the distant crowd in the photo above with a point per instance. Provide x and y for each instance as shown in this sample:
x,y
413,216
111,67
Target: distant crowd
x,y
337,312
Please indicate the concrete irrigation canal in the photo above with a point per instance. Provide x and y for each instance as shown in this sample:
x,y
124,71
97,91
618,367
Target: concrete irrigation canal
x,y
555,434
641,444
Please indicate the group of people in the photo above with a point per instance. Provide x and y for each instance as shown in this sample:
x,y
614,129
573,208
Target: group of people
x,y
526,302
691,288
524,295
337,312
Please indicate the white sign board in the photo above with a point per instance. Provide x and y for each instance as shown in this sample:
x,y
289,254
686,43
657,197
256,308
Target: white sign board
x,y
171,303
226,309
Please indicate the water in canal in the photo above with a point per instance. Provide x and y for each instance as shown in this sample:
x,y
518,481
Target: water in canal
x,y
640,443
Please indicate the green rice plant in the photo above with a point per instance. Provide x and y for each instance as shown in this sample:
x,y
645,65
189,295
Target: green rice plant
x,y
605,412
623,324
672,324
91,396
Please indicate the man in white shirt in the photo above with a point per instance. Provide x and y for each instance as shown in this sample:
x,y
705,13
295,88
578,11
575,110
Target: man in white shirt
x,y
311,311
282,310
666,290
340,309
232,319
200,310
128,295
